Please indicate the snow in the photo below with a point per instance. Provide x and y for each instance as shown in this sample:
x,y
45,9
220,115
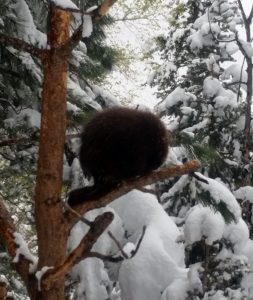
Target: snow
x,y
66,4
94,280
22,249
87,26
27,29
143,276
84,97
212,65
177,96
244,193
202,222
90,273
193,276
219,193
212,89
110,100
3,279
234,73
177,290
29,117
247,47
146,275
178,34
40,273
237,234
103,244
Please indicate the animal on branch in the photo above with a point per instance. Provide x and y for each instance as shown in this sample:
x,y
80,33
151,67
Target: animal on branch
x,y
119,144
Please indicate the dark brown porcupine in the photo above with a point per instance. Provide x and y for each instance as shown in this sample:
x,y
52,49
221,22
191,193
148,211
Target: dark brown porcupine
x,y
119,144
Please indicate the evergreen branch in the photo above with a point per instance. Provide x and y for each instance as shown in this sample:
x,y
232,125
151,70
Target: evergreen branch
x,y
212,33
18,140
127,186
81,252
7,230
21,45
25,139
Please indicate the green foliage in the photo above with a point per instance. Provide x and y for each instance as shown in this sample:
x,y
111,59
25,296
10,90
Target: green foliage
x,y
205,198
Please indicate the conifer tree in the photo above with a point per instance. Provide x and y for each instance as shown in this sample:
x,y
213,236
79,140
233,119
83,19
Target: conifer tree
x,y
202,97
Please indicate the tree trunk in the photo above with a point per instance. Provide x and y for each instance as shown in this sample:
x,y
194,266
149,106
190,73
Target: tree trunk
x,y
50,223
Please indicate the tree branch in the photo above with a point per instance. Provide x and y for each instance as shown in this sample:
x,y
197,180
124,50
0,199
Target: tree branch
x,y
81,252
129,185
102,9
7,230
115,259
96,15
26,139
250,16
21,45
242,11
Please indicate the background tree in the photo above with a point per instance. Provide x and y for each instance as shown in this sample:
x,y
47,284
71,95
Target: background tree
x,y
203,95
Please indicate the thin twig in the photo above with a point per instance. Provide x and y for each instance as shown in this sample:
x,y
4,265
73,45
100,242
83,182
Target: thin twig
x,y
117,244
240,82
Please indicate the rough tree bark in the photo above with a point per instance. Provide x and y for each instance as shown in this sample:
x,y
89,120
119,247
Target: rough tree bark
x,y
50,223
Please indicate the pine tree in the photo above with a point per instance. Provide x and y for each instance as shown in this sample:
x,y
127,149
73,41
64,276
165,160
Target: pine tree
x,y
205,111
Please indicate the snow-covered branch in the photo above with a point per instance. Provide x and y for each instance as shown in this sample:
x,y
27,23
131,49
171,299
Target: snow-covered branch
x,y
82,250
95,15
21,45
127,186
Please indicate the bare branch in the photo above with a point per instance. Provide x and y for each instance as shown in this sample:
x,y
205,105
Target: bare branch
x,y
115,259
21,45
242,11
250,16
81,252
117,244
129,185
139,242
